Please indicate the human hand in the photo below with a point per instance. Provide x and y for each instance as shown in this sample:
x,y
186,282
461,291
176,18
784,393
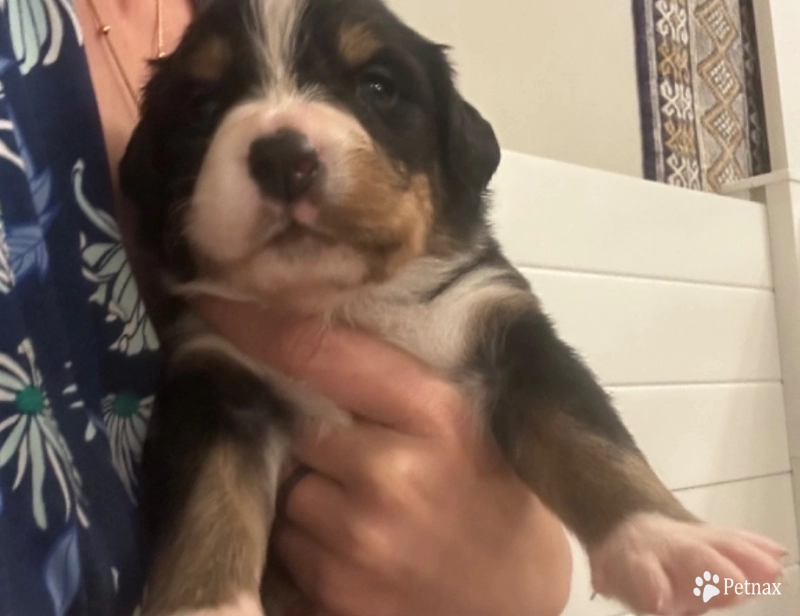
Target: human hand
x,y
410,510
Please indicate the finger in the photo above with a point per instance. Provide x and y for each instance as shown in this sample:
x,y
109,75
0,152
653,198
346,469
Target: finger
x,y
365,376
349,455
332,451
303,556
317,506
287,487
371,379
313,567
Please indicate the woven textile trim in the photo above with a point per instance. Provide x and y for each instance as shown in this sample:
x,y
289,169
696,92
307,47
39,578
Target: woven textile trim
x,y
700,92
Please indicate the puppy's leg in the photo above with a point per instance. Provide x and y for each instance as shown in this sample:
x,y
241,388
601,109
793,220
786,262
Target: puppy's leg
x,y
210,466
559,430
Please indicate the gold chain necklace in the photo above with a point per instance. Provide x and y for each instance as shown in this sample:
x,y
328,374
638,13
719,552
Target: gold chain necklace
x,y
105,30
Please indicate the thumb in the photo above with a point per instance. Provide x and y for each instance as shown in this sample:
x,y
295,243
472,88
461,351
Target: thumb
x,y
369,378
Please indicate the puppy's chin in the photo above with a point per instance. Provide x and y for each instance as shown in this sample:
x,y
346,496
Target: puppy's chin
x,y
299,273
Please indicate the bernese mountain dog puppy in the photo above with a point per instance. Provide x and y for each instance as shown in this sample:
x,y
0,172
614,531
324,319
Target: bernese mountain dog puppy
x,y
316,157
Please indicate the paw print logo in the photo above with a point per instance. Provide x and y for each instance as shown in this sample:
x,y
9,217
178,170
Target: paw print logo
x,y
706,586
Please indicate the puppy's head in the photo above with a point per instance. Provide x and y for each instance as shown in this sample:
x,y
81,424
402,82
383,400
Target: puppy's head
x,y
294,147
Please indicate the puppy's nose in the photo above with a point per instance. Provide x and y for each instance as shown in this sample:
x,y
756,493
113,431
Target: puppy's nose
x,y
284,165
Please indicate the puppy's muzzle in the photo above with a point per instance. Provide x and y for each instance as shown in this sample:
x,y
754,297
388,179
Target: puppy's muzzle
x,y
284,165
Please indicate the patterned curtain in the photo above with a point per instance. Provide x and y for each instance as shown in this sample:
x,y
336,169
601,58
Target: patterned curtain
x,y
700,92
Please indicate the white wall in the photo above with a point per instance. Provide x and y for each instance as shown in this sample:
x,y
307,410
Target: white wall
x,y
557,78
778,22
669,295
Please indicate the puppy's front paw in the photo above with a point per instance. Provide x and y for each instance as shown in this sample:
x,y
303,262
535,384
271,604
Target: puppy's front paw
x,y
656,565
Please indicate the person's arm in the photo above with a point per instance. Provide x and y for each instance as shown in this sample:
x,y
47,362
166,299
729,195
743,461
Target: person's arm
x,y
410,510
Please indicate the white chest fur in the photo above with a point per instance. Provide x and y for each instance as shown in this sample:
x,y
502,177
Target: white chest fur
x,y
441,332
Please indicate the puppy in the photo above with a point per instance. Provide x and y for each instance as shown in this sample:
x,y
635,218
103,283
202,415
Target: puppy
x,y
315,156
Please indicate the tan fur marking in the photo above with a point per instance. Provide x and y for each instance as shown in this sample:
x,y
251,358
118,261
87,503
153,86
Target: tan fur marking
x,y
385,213
211,60
218,552
591,483
357,44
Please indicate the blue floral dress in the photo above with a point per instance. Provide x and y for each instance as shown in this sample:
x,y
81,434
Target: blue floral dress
x,y
78,357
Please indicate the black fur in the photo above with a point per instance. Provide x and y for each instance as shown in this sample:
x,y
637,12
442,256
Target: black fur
x,y
489,256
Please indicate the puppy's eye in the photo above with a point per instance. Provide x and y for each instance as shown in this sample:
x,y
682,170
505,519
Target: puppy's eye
x,y
377,87
202,102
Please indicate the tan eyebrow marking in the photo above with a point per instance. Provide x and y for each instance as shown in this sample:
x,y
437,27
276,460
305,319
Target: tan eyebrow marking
x,y
357,44
211,59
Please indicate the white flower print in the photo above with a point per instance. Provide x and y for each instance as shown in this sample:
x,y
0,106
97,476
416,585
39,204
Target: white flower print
x,y
106,265
7,130
30,434
126,417
6,273
37,29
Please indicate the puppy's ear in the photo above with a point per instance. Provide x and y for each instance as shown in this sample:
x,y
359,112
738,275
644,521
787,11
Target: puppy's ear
x,y
139,178
143,181
473,150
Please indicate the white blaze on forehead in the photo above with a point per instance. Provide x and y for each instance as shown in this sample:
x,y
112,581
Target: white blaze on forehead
x,y
279,22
